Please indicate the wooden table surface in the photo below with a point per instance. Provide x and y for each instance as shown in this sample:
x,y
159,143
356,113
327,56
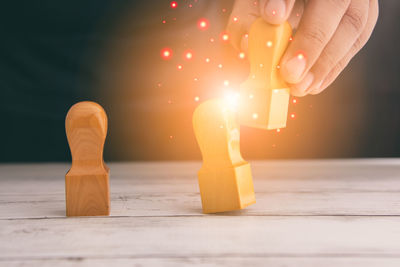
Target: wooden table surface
x,y
308,213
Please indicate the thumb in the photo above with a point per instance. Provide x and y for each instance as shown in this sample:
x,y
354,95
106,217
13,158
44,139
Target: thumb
x,y
276,11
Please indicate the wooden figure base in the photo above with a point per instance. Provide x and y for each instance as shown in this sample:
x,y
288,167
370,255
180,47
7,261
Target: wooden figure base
x,y
226,189
87,195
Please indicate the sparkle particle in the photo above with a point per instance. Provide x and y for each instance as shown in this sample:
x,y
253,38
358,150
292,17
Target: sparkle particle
x,y
166,53
202,24
174,4
225,37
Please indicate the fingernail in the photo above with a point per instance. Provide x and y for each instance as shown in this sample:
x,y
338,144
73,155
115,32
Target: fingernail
x,y
315,88
303,86
276,8
294,68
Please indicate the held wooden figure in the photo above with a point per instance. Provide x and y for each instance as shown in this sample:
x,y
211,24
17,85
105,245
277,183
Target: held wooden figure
x,y
87,182
225,178
264,95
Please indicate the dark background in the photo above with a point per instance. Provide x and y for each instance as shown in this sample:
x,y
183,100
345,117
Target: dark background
x,y
56,53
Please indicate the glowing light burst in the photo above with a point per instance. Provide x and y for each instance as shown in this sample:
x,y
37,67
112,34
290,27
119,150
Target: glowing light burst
x,y
254,116
166,53
235,19
207,60
173,4
203,24
179,67
269,44
231,100
300,56
294,100
293,116
188,55
242,55
197,99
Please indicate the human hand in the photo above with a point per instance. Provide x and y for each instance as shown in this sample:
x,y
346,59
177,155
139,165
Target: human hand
x,y
328,35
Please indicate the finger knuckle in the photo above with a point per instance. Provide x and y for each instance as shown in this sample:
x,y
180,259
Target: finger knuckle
x,y
356,18
315,35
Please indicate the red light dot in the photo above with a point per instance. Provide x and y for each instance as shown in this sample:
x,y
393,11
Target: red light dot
x,y
179,67
166,53
170,137
212,40
294,101
235,19
293,116
224,10
164,21
202,24
273,12
190,5
278,130
174,4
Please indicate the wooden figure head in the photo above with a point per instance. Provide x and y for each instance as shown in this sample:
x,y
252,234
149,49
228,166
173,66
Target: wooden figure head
x,y
217,134
86,129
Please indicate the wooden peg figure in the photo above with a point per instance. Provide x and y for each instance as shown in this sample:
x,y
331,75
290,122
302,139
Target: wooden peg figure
x,y
225,178
265,95
87,181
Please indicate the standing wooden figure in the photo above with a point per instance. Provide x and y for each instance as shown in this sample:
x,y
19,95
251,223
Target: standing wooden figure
x,y
225,178
87,182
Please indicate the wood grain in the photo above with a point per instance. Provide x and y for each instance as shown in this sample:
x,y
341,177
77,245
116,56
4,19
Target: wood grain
x,y
87,182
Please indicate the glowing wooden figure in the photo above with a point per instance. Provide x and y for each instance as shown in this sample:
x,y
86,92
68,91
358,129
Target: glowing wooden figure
x,y
225,178
264,95
87,182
